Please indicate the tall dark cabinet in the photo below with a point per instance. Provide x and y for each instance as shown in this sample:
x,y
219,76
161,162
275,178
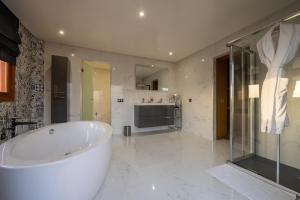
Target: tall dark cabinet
x,y
60,79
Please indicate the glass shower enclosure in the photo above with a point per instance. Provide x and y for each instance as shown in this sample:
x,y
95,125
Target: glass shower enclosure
x,y
275,157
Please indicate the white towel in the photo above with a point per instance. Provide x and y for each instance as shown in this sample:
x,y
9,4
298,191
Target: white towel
x,y
274,89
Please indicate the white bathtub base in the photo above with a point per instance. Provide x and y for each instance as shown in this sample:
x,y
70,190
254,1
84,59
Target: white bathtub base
x,y
77,177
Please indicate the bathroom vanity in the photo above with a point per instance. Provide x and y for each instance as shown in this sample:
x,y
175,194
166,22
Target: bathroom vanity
x,y
153,114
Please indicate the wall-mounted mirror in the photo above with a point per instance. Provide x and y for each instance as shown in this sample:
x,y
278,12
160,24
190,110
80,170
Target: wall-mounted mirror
x,y
153,77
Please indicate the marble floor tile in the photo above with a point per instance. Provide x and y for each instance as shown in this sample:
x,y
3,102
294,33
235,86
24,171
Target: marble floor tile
x,y
167,166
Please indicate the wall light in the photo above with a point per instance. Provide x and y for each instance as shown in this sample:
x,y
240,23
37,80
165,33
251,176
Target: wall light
x,y
253,91
296,92
153,187
61,32
142,14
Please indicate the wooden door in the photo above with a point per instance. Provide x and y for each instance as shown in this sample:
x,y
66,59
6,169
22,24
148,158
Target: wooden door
x,y
222,97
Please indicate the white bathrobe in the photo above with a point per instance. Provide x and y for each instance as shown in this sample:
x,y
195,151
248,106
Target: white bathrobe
x,y
274,89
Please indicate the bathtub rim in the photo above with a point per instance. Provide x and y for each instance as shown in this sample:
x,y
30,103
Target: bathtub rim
x,y
64,158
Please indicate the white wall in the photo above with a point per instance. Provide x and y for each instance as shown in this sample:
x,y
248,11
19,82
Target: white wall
x,y
122,83
194,79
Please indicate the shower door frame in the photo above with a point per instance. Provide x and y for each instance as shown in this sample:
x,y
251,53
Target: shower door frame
x,y
252,115
252,55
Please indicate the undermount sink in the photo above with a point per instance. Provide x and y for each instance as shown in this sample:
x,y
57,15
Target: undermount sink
x,y
154,104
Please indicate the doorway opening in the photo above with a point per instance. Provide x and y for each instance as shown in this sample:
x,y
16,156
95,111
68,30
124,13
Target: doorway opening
x,y
222,104
96,91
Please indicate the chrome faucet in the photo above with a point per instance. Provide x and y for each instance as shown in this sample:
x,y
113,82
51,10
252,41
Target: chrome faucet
x,y
160,100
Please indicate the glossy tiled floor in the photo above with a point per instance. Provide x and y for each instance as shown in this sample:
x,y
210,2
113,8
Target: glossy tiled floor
x,y
168,166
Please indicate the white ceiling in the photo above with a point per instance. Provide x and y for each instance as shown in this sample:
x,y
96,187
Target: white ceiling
x,y
181,26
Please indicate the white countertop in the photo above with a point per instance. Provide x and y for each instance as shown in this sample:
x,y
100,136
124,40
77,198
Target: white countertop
x,y
154,104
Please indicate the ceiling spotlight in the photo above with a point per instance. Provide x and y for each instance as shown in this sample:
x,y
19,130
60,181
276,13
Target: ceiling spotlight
x,y
61,32
152,65
153,187
72,54
142,13
203,60
170,53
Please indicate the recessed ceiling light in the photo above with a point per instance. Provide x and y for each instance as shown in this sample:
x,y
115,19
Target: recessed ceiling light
x,y
152,65
61,32
153,187
142,13
170,53
203,60
72,54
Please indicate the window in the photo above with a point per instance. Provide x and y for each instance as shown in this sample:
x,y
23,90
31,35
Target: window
x,y
7,82
4,78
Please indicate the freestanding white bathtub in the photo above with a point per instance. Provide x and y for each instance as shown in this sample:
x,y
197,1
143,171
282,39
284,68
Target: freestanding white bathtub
x,y
67,161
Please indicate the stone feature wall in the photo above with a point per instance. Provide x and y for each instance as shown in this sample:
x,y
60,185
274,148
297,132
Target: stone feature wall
x,y
29,99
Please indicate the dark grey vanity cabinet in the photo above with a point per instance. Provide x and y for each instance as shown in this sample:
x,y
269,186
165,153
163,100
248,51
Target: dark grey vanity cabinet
x,y
153,115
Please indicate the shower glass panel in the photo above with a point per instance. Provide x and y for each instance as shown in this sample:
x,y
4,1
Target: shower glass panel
x,y
248,144
275,157
242,68
290,138
96,91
